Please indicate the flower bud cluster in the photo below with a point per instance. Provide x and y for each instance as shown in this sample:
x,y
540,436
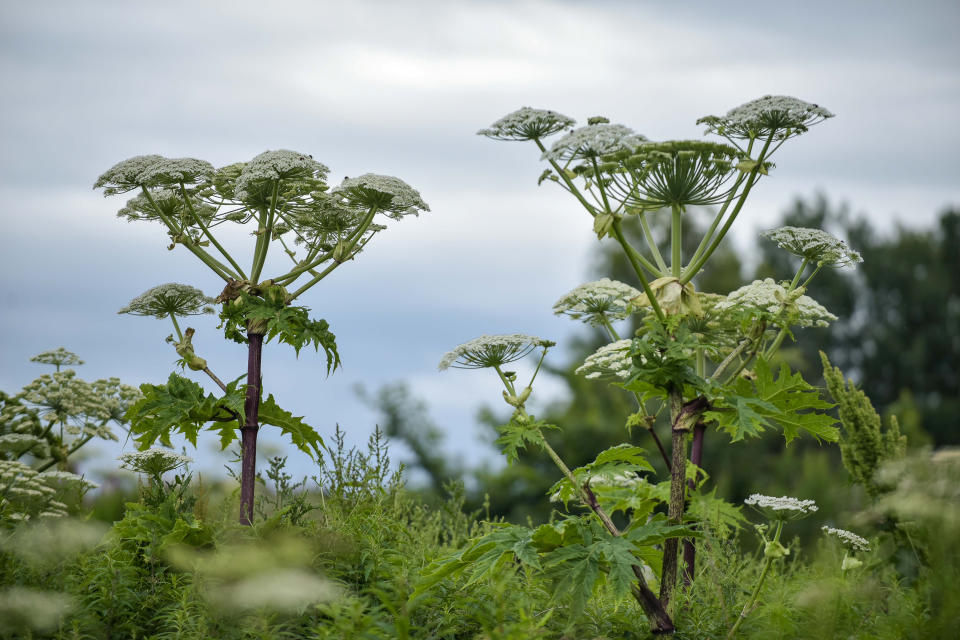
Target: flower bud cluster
x,y
527,124
154,461
848,538
610,362
388,194
814,245
782,508
171,299
597,302
492,351
771,300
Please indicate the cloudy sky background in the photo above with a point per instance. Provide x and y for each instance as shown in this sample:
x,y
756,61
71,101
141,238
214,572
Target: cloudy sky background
x,y
400,88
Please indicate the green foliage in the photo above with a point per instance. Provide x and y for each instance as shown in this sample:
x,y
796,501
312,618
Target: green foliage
x,y
303,436
754,403
517,435
866,444
181,406
291,325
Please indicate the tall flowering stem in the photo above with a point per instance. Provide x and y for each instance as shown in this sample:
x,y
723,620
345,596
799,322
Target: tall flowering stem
x,y
285,193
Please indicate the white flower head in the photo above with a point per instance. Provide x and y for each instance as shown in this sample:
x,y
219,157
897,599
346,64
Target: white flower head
x,y
527,124
170,299
125,175
276,165
153,461
173,171
389,195
594,302
593,141
770,299
847,538
57,357
780,116
782,508
814,245
492,351
611,362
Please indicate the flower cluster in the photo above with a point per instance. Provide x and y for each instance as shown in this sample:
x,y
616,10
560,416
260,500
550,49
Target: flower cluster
x,y
782,508
154,461
125,175
597,302
814,245
171,299
57,357
527,124
492,351
610,362
24,493
779,116
773,301
389,195
175,171
593,141
848,538
673,173
276,165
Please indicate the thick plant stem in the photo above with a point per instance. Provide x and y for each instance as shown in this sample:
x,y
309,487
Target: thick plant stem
x,y
682,418
689,549
251,415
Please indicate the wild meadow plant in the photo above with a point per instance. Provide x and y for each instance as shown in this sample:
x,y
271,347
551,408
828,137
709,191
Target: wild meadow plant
x,y
284,198
707,360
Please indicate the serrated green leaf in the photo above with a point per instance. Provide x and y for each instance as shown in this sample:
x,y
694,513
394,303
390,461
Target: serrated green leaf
x,y
179,406
785,400
302,435
515,437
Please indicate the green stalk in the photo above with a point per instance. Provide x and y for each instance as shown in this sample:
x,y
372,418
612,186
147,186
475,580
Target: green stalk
x,y
708,236
618,234
219,268
676,242
264,231
206,232
694,267
648,235
793,285
176,326
572,188
756,591
336,263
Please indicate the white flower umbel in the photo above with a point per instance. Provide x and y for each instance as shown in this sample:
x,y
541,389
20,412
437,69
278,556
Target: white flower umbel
x,y
154,461
125,175
848,538
57,357
173,171
597,302
491,351
610,362
772,300
170,299
527,124
389,195
782,508
780,116
814,245
593,141
276,165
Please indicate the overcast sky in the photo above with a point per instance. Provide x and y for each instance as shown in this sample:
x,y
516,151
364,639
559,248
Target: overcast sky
x,y
400,88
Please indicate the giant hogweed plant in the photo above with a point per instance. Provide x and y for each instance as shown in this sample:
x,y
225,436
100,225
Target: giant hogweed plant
x,y
43,426
702,358
283,198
